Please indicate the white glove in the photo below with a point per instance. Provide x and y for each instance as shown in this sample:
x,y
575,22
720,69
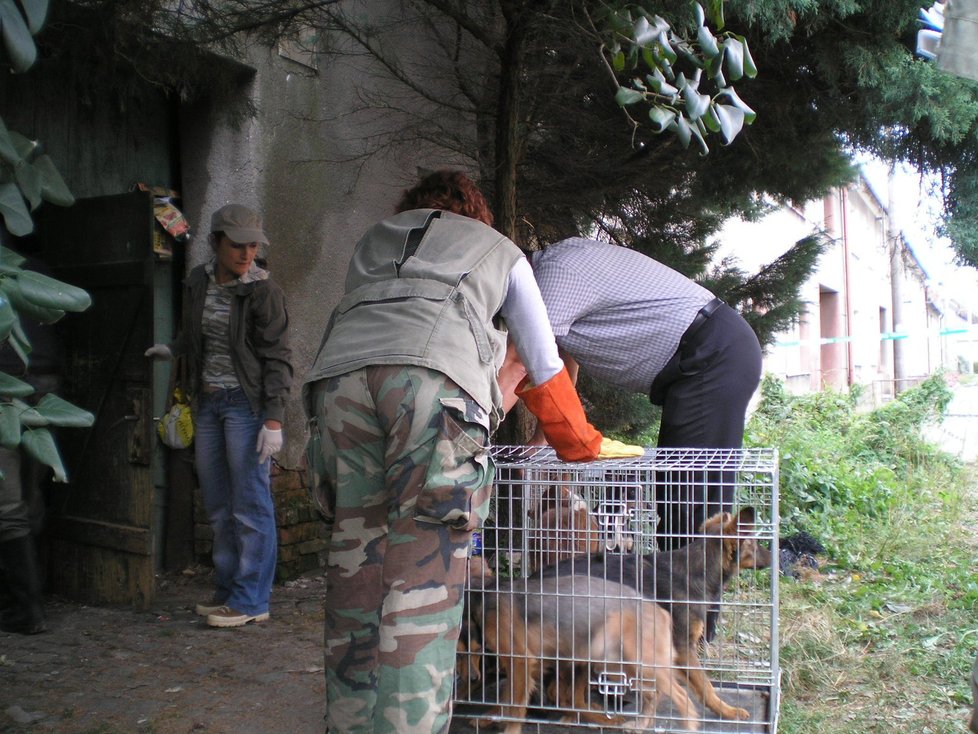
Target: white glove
x,y
269,442
159,351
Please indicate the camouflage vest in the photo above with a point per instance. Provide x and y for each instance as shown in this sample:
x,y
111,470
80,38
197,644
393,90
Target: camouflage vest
x,y
427,302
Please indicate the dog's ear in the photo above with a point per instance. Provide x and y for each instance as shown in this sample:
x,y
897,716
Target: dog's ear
x,y
729,524
746,519
715,524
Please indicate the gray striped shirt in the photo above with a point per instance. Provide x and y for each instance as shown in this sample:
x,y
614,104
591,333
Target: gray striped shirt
x,y
617,312
218,369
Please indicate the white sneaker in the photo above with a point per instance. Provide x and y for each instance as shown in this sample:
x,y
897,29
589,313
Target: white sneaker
x,y
228,617
208,608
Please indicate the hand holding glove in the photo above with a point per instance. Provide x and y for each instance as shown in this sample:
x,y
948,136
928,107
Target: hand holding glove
x,y
158,351
269,442
612,449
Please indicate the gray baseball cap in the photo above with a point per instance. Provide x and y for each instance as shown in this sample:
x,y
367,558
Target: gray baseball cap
x,y
239,223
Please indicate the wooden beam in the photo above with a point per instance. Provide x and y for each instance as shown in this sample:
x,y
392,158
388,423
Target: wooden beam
x,y
126,538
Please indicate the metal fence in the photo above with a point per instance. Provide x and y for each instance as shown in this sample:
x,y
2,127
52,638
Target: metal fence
x,y
588,609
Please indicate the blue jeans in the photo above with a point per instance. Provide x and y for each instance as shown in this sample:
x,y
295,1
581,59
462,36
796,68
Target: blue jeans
x,y
237,498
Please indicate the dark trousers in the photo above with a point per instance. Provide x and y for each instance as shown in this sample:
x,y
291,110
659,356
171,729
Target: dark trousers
x,y
704,391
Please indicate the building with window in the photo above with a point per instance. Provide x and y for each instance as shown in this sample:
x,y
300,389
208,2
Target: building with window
x,y
874,315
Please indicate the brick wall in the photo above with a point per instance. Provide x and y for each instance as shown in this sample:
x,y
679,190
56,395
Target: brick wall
x,y
301,532
301,543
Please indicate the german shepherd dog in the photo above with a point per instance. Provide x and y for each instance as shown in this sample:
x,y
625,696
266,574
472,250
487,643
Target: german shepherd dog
x,y
688,582
534,626
561,526
469,658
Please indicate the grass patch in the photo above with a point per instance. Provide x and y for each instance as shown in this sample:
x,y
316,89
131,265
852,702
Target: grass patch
x,y
883,637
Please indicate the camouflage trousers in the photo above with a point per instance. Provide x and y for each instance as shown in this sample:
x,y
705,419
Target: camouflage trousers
x,y
402,474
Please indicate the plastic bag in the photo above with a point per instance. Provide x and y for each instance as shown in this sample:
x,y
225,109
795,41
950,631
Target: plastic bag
x,y
176,427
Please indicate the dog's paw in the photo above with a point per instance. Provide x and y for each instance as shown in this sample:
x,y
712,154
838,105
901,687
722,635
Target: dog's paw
x,y
733,713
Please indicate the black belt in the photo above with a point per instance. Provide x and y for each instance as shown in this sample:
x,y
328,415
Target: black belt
x,y
698,320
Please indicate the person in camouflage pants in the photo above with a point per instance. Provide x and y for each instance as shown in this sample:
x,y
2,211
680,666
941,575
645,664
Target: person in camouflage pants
x,y
405,445
402,398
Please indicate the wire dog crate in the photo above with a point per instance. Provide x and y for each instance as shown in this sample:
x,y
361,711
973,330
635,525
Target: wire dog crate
x,y
586,572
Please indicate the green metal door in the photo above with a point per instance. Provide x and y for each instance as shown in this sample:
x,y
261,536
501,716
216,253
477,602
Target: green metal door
x,y
103,526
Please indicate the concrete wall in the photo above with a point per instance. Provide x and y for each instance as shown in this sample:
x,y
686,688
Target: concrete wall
x,y
299,160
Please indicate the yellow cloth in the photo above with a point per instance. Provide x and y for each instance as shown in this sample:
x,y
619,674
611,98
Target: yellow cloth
x,y
612,449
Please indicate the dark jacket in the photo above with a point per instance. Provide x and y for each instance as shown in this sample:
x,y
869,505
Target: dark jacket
x,y
260,350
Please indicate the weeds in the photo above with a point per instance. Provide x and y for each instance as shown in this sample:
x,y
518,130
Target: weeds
x,y
882,639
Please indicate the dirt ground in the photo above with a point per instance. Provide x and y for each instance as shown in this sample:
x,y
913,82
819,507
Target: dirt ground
x,y
103,670
114,670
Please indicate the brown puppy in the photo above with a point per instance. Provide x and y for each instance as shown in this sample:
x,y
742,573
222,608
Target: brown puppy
x,y
628,648
690,580
534,626
560,526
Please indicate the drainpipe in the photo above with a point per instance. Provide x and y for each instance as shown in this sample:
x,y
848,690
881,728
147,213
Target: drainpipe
x,y
844,206
896,288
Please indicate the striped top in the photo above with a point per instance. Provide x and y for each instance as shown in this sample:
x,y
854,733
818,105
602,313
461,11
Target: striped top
x,y
617,312
218,369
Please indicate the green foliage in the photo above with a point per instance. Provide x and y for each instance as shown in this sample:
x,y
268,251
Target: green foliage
x,y
960,219
670,71
31,295
850,66
843,469
28,177
20,22
619,413
897,599
904,610
27,174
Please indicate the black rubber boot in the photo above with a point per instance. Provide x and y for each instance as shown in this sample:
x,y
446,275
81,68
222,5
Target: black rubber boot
x,y
6,600
25,613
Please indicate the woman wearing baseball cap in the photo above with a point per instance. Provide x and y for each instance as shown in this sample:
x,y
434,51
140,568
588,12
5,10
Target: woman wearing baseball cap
x,y
234,338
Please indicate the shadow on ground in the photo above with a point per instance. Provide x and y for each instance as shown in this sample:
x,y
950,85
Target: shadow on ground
x,y
111,670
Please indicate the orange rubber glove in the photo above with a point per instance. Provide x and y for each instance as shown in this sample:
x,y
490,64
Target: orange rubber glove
x,y
561,415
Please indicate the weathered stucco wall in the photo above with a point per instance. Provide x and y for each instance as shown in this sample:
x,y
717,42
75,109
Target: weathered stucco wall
x,y
298,160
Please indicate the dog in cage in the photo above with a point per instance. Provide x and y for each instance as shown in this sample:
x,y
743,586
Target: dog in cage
x,y
534,626
688,582
560,525
564,524
470,662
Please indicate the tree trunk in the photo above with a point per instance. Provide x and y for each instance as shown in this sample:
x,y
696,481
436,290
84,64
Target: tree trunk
x,y
508,122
